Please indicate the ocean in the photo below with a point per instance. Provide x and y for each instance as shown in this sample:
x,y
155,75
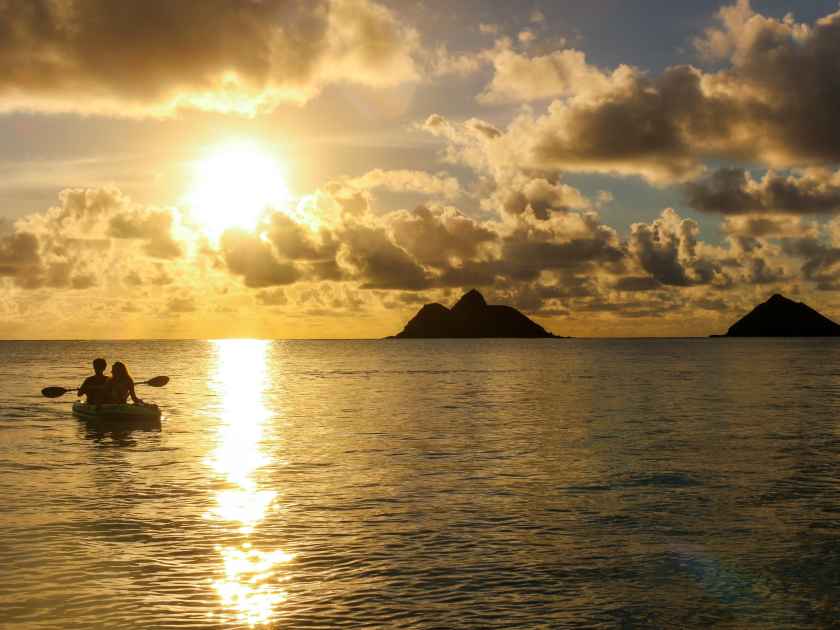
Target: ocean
x,y
558,483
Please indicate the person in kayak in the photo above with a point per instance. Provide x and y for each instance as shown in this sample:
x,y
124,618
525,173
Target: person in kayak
x,y
94,386
120,386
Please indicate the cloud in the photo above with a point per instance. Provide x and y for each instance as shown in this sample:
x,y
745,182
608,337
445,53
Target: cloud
x,y
438,185
660,122
539,197
821,261
668,250
377,262
637,283
436,236
444,63
783,79
152,57
565,242
562,263
763,226
185,304
773,102
296,242
19,257
152,226
68,245
735,191
515,188
273,297
254,259
517,77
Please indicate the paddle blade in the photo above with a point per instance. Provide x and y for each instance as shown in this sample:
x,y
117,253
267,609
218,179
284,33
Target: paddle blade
x,y
158,381
54,392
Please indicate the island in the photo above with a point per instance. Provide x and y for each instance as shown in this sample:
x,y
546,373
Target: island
x,y
471,317
781,317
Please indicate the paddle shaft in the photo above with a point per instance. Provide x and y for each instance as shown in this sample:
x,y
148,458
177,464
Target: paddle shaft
x,y
55,392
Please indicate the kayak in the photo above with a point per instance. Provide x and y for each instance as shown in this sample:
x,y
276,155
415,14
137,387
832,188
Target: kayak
x,y
116,412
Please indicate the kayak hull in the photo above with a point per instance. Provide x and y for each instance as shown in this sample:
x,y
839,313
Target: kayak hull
x,y
116,412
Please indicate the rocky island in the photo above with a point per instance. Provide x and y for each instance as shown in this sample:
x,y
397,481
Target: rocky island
x,y
471,317
781,317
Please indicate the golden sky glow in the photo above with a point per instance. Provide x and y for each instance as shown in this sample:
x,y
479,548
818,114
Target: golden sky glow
x,y
323,169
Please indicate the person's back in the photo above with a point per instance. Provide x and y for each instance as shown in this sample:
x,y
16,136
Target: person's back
x,y
120,386
94,386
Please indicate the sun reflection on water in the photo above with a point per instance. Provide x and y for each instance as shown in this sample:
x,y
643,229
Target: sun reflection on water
x,y
249,586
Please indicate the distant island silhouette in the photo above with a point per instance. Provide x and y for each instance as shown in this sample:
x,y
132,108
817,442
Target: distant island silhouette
x,y
471,317
781,317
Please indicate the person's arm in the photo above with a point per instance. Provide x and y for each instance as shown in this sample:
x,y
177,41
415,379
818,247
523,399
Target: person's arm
x,y
131,393
83,390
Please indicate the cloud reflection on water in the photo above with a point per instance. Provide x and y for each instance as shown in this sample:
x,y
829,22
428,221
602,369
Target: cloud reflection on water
x,y
249,587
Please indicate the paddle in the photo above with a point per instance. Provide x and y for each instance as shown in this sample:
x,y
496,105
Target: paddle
x,y
55,392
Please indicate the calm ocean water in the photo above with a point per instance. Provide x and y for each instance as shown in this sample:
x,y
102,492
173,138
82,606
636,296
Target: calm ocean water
x,y
446,484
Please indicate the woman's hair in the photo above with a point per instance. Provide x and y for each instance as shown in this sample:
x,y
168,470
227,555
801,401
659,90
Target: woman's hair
x,y
119,370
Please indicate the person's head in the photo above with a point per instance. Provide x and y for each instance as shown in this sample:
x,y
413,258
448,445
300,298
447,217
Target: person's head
x,y
119,371
99,365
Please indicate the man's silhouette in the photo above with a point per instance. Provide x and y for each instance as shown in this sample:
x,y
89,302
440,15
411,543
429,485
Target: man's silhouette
x,y
94,386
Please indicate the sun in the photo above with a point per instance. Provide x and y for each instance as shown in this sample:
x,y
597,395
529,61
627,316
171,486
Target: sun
x,y
234,186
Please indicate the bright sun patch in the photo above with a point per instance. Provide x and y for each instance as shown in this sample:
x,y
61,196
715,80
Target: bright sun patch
x,y
233,187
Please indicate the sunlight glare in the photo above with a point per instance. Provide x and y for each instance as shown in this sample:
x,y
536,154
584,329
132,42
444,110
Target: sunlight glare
x,y
234,186
249,586
245,588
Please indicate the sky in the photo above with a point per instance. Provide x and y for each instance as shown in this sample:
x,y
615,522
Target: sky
x,y
321,169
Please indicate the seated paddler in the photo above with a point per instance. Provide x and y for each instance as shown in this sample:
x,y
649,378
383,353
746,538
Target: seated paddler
x,y
93,388
120,386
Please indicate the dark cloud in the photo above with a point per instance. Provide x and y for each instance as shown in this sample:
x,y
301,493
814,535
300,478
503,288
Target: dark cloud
x,y
435,236
152,56
543,299
18,252
658,120
152,226
83,281
273,297
571,242
734,191
294,241
758,271
775,101
786,76
636,283
326,270
821,261
667,250
133,279
249,256
377,262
